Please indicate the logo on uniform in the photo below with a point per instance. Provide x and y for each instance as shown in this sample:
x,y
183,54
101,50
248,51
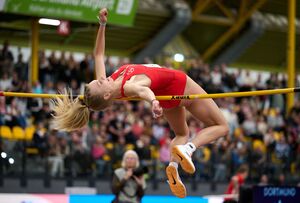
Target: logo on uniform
x,y
130,70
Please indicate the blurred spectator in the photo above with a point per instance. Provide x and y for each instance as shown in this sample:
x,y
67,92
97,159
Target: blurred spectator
x,y
98,152
220,157
5,82
264,180
13,116
6,58
236,182
118,150
40,138
81,155
257,123
164,152
85,69
118,127
281,180
3,110
55,156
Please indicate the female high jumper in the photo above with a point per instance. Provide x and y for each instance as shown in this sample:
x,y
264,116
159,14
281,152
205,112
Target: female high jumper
x,y
146,82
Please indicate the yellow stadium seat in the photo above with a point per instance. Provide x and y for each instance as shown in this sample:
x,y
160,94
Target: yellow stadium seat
x,y
18,133
106,157
109,145
32,150
259,144
129,147
206,153
29,131
5,132
237,132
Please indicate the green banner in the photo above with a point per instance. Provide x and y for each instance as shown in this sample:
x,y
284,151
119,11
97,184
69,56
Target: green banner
x,y
121,12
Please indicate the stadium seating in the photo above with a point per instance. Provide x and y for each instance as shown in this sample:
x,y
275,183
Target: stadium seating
x,y
5,132
18,133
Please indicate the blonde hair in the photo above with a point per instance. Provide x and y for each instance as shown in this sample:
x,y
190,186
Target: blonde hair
x,y
69,114
72,114
130,152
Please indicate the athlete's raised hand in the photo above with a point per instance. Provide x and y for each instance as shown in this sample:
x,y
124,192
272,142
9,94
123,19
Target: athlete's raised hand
x,y
103,15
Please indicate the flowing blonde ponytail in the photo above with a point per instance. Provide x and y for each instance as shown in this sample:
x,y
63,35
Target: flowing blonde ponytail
x,y
69,114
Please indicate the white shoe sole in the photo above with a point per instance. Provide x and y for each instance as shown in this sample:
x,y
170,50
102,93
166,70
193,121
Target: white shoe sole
x,y
184,159
176,186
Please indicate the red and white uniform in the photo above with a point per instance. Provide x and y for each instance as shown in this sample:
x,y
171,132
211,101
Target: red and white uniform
x,y
164,81
230,187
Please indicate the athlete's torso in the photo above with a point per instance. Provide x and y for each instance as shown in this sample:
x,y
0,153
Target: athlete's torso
x,y
164,81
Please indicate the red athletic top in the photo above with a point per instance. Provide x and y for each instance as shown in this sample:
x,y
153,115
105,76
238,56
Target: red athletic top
x,y
164,81
230,187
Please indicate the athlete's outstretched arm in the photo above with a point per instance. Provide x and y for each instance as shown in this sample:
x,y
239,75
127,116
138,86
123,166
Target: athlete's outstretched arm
x,y
100,45
136,90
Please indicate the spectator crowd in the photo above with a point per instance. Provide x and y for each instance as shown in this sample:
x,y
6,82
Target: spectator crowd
x,y
262,133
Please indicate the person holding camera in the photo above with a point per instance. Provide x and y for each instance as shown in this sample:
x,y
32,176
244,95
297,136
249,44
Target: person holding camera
x,y
128,183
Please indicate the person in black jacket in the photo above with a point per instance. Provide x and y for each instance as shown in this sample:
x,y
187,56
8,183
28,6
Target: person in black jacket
x,y
128,183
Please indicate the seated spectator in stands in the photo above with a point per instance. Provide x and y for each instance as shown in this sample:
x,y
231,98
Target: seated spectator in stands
x,y
5,82
40,138
119,127
21,68
13,116
164,151
128,184
6,58
55,156
81,156
143,149
34,105
98,152
264,180
44,114
280,180
3,110
16,83
119,150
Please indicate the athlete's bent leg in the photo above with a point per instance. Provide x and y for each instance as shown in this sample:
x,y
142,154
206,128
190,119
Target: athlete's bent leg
x,y
177,122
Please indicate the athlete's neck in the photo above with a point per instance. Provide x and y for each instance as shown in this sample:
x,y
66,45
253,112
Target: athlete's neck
x,y
116,88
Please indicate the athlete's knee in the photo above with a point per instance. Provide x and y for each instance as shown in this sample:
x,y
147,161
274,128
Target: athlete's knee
x,y
223,128
184,132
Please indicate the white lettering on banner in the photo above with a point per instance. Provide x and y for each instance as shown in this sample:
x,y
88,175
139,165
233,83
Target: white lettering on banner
x,y
36,8
96,4
274,191
124,7
56,11
73,13
92,4
68,2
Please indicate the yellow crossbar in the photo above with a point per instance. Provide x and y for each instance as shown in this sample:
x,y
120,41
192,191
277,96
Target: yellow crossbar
x,y
169,97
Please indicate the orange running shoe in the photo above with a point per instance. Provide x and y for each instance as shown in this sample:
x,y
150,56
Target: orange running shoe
x,y
184,158
176,186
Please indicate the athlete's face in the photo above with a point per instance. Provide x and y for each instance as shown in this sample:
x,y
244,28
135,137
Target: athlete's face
x,y
101,87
